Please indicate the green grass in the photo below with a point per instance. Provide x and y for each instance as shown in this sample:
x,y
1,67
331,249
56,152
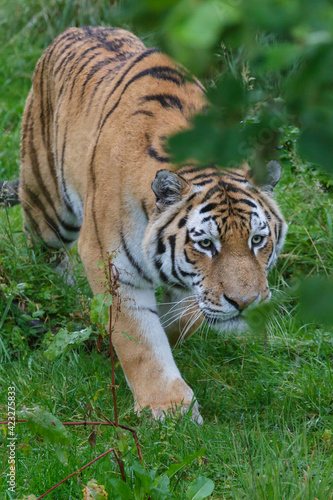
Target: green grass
x,y
266,405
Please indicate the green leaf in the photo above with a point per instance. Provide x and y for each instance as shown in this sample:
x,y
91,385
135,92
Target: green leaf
x,y
45,424
99,312
64,340
200,488
123,443
161,488
120,489
187,460
143,481
61,454
130,338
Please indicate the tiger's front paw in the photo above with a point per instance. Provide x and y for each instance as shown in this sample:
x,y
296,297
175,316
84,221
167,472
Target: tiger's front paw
x,y
159,413
173,398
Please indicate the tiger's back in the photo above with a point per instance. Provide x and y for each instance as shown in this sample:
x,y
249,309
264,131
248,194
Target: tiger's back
x,y
77,105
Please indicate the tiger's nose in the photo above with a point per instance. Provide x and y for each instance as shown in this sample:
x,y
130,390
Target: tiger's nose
x,y
240,304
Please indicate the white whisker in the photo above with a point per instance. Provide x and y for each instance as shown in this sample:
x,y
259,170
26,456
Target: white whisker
x,y
178,315
188,325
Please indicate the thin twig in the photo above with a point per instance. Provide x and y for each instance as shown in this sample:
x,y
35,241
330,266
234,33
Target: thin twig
x,y
77,472
111,279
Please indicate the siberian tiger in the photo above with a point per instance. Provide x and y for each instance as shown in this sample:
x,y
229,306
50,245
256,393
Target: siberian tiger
x,y
93,168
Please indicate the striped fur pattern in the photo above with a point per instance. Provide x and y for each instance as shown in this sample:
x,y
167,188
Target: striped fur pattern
x,y
94,168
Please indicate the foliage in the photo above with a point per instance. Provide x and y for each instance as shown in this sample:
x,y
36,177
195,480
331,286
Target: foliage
x,y
64,340
94,491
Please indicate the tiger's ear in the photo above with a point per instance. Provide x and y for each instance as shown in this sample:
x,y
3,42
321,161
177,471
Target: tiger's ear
x,y
270,178
168,187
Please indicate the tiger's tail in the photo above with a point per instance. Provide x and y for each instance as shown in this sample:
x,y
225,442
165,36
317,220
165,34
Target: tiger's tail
x,y
9,193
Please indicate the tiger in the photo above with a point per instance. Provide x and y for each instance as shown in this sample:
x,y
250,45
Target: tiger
x,y
95,169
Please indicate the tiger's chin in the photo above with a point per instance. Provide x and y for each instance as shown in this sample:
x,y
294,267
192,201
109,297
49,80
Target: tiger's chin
x,y
237,324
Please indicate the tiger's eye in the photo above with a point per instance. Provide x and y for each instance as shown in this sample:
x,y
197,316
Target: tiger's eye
x,y
257,239
205,243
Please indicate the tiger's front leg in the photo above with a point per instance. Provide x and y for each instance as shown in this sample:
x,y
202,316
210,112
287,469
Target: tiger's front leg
x,y
146,357
141,343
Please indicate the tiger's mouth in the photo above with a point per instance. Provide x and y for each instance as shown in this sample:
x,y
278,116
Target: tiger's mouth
x,y
227,322
215,318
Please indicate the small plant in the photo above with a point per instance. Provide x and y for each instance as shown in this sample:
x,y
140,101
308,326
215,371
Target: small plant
x,y
136,481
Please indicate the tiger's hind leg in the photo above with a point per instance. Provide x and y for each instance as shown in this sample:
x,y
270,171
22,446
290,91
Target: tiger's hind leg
x,y
179,315
47,219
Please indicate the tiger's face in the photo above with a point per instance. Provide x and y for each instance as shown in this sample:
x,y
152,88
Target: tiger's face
x,y
216,235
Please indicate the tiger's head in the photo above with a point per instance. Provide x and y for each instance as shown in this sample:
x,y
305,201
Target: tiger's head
x,y
216,234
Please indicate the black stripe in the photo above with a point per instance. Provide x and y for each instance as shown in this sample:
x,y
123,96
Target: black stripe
x,y
188,260
41,115
160,248
64,64
62,52
143,112
165,100
127,283
144,208
185,273
132,260
37,174
80,58
233,172
209,217
234,189
48,121
97,67
154,154
268,215
236,179
190,198
106,79
136,61
69,227
182,222
78,73
148,309
210,193
37,202
243,200
158,266
160,245
279,231
188,171
157,72
208,207
32,223
205,176
202,183
172,241
62,176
